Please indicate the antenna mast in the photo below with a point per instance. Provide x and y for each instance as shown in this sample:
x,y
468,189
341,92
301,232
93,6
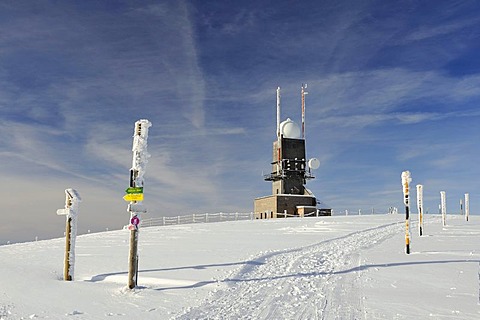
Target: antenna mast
x,y
278,113
304,86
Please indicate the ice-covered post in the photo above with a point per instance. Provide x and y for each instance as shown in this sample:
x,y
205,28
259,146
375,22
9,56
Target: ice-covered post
x,y
72,198
135,195
467,206
420,208
405,182
443,207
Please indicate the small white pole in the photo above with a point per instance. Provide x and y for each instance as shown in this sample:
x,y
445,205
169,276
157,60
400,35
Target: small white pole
x,y
467,206
443,207
420,208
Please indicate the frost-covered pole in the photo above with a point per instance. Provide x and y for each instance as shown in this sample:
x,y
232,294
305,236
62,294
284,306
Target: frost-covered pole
x,y
72,198
420,208
135,195
467,206
443,207
405,182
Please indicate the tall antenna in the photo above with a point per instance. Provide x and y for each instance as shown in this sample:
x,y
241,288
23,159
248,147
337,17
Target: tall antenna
x,y
278,113
304,86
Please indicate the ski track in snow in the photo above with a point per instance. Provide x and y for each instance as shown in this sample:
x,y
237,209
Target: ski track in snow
x,y
312,282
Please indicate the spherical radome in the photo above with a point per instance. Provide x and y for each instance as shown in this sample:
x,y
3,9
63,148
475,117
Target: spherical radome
x,y
290,129
313,163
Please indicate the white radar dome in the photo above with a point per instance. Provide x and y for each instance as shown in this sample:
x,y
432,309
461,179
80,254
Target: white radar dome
x,y
290,129
313,163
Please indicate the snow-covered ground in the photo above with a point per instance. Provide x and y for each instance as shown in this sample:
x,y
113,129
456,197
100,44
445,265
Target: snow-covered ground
x,y
349,267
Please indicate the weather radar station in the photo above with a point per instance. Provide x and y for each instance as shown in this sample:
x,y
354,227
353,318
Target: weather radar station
x,y
290,172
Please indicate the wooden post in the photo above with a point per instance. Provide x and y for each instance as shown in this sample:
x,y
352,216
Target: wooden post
x,y
135,195
66,266
72,198
133,259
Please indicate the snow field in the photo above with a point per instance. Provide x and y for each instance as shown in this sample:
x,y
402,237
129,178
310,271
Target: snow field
x,y
312,268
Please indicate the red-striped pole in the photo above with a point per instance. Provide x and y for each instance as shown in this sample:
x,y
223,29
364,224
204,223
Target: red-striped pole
x,y
405,181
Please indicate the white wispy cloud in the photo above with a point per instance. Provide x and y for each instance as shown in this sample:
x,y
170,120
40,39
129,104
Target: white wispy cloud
x,y
441,29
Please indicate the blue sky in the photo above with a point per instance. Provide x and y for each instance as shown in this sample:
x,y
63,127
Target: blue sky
x,y
393,86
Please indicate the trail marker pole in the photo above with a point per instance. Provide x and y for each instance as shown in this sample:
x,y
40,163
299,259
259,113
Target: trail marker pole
x,y
420,208
443,207
406,179
134,194
467,206
72,198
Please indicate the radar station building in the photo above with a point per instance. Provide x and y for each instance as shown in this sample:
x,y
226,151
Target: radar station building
x,y
290,172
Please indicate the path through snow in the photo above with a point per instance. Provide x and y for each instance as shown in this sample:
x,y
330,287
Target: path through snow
x,y
311,282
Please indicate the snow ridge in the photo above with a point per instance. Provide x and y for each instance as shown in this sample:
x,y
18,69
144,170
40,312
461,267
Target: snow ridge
x,y
286,284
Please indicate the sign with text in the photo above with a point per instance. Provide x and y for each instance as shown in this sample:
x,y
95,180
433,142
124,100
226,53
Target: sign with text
x,y
134,190
133,197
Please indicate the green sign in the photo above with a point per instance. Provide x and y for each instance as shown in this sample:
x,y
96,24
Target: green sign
x,y
134,190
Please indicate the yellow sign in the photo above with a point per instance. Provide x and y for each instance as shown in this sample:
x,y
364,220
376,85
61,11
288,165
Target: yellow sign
x,y
133,197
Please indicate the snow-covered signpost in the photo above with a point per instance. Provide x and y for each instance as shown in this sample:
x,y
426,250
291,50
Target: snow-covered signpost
x,y
443,207
420,208
135,195
405,182
72,198
467,206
